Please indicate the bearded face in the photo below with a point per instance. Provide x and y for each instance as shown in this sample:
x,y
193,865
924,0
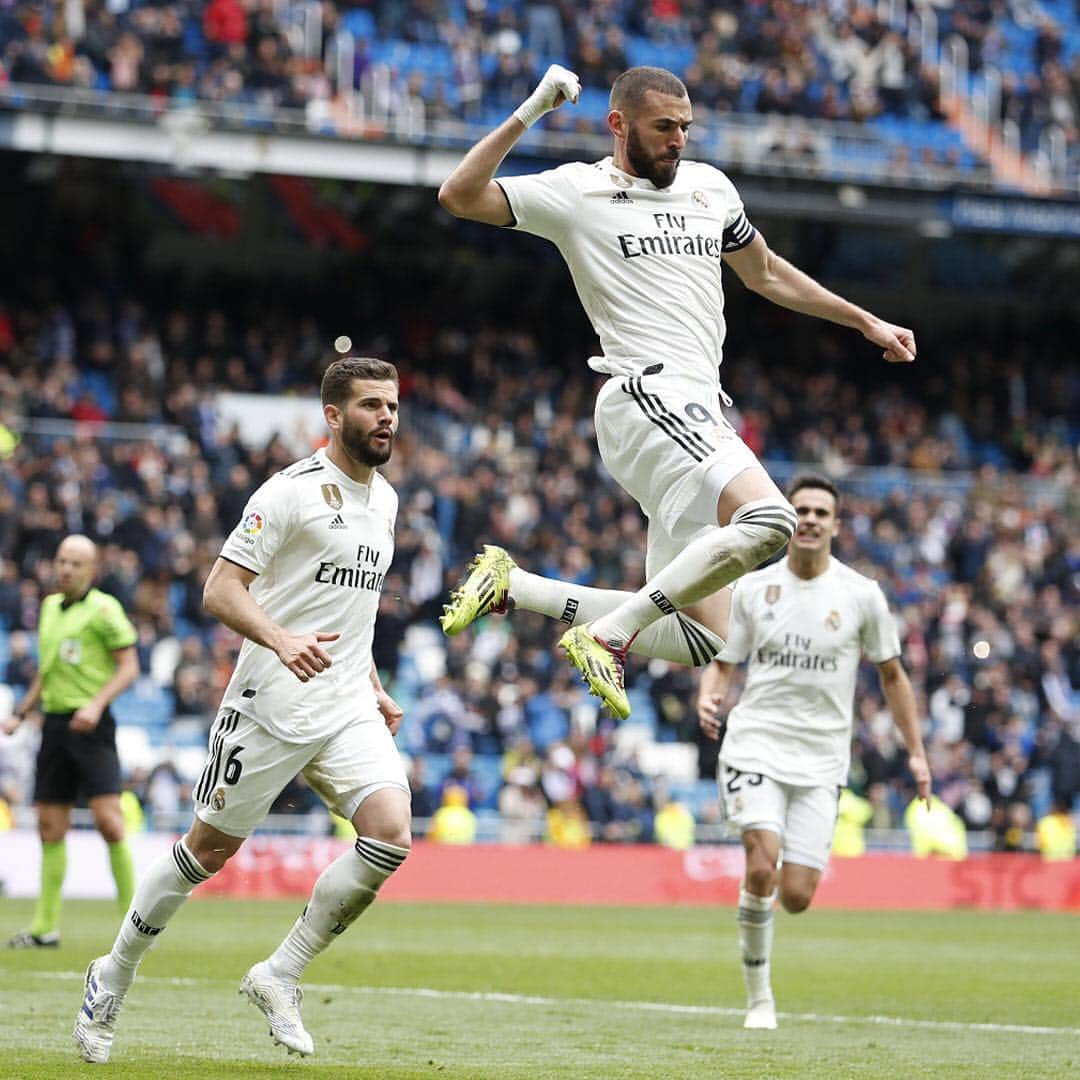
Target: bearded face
x,y
657,160
368,444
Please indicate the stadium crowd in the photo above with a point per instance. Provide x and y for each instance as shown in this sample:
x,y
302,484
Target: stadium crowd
x,y
975,545
835,61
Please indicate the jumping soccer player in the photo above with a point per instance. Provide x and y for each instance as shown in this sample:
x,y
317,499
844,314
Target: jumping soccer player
x,y
644,235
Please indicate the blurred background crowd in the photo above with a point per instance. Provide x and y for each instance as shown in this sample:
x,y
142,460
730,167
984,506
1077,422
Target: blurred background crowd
x,y
142,307
960,496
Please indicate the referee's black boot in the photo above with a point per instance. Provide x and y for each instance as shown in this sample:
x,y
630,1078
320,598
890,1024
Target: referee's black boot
x,y
25,940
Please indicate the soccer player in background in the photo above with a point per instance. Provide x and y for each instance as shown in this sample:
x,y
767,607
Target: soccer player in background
x,y
86,660
300,579
644,235
804,623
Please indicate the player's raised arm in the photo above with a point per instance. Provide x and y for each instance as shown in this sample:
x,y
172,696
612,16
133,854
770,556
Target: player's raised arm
x,y
759,268
226,597
470,190
900,697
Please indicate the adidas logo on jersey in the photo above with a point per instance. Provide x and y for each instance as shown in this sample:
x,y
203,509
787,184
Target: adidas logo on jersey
x,y
338,522
620,198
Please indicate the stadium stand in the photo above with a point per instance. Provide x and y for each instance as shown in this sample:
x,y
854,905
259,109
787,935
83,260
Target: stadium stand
x,y
985,93
958,498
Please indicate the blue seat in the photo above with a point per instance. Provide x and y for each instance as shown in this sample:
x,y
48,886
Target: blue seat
x,y
593,103
144,705
360,23
642,50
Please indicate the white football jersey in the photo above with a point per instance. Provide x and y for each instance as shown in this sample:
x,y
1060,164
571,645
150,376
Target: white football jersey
x,y
646,261
321,545
804,640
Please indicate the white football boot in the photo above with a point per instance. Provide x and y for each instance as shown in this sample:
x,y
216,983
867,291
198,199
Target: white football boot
x,y
95,1026
761,1015
280,1002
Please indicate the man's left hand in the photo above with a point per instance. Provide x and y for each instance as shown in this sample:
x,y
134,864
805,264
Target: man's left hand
x,y
392,712
898,342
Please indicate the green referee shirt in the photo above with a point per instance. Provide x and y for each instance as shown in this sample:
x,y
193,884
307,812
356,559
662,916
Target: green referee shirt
x,y
76,643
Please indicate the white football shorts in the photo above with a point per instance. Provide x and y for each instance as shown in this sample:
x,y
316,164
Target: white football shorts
x,y
664,438
803,817
247,768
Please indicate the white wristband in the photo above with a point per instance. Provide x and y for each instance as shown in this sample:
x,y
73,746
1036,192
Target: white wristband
x,y
532,108
557,80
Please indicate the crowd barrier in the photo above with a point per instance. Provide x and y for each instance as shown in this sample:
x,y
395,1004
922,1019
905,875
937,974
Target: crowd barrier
x,y
278,866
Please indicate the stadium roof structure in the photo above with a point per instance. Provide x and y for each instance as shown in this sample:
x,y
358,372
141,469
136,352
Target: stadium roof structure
x,y
833,171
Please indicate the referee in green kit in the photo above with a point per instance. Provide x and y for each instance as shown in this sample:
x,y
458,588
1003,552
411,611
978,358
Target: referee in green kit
x,y
86,659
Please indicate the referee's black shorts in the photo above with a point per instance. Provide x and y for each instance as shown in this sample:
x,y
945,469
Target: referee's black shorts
x,y
71,763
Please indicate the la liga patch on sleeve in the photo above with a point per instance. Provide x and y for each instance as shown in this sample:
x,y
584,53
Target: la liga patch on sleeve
x,y
253,524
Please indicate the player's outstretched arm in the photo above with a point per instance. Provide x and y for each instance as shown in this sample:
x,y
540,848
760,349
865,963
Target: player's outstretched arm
x,y
226,597
470,190
759,268
712,690
900,697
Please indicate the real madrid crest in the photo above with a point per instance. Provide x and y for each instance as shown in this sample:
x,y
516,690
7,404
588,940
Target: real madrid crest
x,y
699,198
833,620
217,800
331,494
772,594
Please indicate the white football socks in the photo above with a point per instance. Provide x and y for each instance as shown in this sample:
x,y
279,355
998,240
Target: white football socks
x,y
159,895
676,637
755,920
758,529
344,891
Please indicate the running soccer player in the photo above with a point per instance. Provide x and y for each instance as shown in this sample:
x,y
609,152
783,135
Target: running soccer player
x,y
804,623
644,235
299,578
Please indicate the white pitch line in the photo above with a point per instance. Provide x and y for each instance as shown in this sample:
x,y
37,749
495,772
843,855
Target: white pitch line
x,y
671,1008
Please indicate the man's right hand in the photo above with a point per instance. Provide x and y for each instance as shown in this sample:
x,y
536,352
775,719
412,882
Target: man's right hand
x,y
558,85
303,655
708,711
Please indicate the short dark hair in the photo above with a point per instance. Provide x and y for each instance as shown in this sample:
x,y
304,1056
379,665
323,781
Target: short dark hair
x,y
629,89
810,480
338,378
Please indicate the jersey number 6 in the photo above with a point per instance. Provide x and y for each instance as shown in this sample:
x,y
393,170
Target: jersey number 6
x,y
233,766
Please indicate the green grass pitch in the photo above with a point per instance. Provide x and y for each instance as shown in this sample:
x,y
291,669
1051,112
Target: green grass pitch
x,y
478,991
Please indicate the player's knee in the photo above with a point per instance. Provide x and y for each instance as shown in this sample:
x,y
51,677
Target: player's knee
x,y
112,830
50,832
398,835
760,880
795,901
209,857
760,872
772,522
